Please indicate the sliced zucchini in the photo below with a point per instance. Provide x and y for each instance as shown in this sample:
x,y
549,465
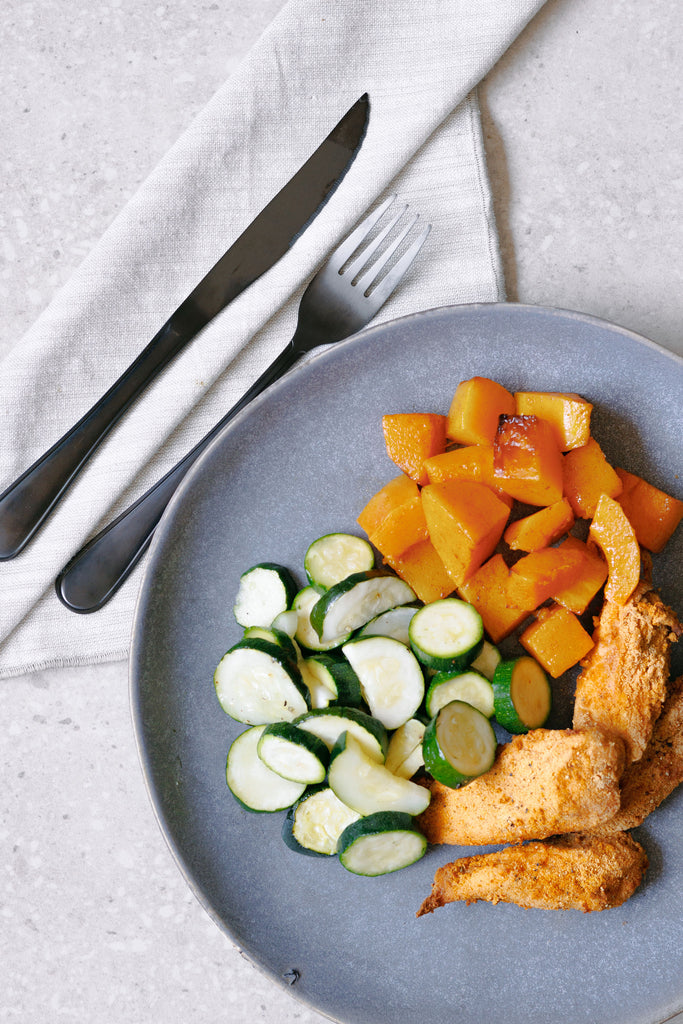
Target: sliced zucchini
x,y
366,786
487,660
390,677
393,623
380,843
404,756
315,823
319,695
251,782
258,683
472,687
293,753
329,723
351,603
334,557
447,635
287,622
459,744
273,636
522,694
264,591
305,634
337,675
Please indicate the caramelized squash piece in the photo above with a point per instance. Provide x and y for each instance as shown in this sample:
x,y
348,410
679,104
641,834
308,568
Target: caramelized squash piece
x,y
540,574
527,464
476,406
578,595
487,590
541,529
557,640
568,414
422,569
474,462
393,494
613,533
653,514
411,438
465,521
587,475
403,527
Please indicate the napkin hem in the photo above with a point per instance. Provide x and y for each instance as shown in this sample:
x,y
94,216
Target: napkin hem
x,y
75,661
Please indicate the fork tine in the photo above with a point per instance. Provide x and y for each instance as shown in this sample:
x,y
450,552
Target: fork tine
x,y
356,265
372,273
347,248
386,286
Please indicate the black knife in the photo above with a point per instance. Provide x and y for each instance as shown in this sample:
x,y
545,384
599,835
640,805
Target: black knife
x,y
27,502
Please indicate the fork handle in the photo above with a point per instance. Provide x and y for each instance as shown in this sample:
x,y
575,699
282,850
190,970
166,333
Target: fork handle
x,y
97,571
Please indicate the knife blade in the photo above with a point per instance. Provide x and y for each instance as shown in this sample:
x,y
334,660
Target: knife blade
x,y
28,501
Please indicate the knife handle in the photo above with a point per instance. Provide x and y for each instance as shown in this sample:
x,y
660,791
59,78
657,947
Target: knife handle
x,y
27,502
97,571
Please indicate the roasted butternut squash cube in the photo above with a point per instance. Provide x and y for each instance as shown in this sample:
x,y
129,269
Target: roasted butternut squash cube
x,y
541,529
588,475
411,438
579,594
487,590
614,535
400,529
465,522
653,514
568,414
557,640
527,464
422,569
537,576
473,462
476,406
394,493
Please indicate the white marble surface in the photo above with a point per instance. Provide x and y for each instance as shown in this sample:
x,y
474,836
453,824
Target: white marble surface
x,y
582,120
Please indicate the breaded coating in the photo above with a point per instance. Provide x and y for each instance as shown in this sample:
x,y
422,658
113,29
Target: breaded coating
x,y
572,872
624,680
542,784
647,782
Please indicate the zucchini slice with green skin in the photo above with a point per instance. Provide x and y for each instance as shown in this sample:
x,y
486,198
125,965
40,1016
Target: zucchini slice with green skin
x,y
329,723
522,694
273,636
304,602
380,843
286,622
337,675
258,683
470,686
319,695
487,660
447,635
390,677
393,623
366,786
459,744
404,756
335,556
316,821
293,753
264,591
352,602
251,782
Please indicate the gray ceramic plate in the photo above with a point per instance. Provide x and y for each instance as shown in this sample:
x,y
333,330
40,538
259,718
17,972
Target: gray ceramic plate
x,y
300,462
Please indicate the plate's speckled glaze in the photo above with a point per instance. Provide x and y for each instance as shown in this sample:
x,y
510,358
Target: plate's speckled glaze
x,y
299,462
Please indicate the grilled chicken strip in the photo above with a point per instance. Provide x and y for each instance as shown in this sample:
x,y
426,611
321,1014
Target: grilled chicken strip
x,y
647,782
544,783
572,872
624,680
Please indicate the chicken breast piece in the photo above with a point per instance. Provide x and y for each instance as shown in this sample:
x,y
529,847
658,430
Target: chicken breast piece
x,y
572,872
624,680
544,783
647,782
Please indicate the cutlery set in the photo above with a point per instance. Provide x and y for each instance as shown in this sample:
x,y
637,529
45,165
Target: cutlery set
x,y
343,296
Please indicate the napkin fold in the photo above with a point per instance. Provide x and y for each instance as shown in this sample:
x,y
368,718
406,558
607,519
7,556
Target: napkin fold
x,y
419,64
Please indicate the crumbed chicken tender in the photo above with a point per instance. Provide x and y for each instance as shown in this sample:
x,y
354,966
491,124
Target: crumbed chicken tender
x,y
624,679
542,784
647,782
572,872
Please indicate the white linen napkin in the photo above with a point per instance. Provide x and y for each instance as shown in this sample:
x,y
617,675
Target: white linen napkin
x,y
419,64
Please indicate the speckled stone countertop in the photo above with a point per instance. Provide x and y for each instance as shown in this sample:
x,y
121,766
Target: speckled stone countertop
x,y
582,120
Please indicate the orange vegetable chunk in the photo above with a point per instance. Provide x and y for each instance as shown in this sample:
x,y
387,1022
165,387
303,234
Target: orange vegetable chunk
x,y
404,526
613,533
412,437
536,577
393,494
465,522
578,595
568,414
653,514
527,463
587,475
487,590
541,529
422,569
476,406
474,462
557,640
